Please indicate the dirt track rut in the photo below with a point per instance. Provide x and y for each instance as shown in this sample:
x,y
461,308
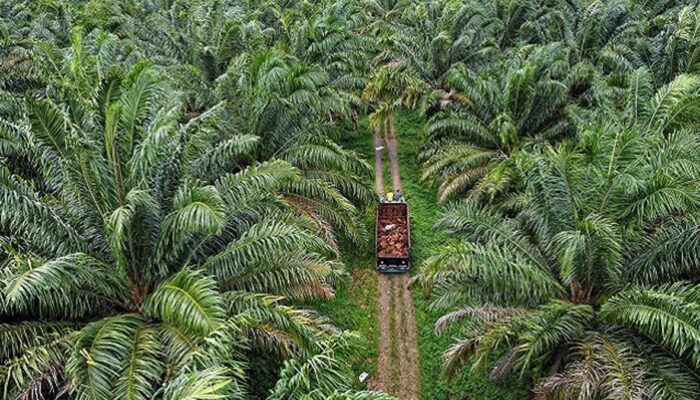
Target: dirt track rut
x,y
397,367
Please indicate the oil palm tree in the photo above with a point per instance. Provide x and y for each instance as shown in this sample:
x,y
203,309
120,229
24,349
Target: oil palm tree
x,y
587,277
32,29
677,53
323,376
273,96
141,261
494,116
619,37
436,35
199,46
193,42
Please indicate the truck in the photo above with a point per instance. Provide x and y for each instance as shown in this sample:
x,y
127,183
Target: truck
x,y
393,233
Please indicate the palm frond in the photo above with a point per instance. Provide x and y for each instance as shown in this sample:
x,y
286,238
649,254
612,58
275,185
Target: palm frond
x,y
188,300
101,349
31,282
667,314
209,384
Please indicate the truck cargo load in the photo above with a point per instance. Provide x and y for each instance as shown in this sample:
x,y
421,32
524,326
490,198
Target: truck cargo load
x,y
393,247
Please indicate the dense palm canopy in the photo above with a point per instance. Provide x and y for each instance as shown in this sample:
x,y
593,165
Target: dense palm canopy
x,y
174,195
574,150
583,276
132,250
171,187
490,118
509,75
588,292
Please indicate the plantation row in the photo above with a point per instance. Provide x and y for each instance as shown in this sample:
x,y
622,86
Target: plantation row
x,y
171,193
175,201
567,135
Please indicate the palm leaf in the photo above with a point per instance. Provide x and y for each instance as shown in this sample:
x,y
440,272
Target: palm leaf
x,y
187,300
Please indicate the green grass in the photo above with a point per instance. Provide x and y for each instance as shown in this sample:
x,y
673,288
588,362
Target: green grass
x,y
354,308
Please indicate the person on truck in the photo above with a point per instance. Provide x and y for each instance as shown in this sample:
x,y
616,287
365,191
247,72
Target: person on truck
x,y
390,197
397,196
382,199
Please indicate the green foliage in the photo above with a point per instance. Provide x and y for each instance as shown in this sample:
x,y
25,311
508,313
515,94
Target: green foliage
x,y
173,190
558,127
560,254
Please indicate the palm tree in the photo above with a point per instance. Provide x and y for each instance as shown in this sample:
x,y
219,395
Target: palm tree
x,y
135,265
468,149
194,43
587,277
471,142
282,101
677,53
31,28
619,37
436,35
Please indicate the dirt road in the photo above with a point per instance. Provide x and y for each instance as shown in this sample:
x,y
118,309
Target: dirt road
x,y
378,167
397,367
392,149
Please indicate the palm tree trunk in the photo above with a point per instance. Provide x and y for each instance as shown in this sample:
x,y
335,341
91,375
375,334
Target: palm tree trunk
x,y
393,150
378,162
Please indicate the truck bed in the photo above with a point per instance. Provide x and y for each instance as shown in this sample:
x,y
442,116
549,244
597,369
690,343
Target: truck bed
x,y
393,247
